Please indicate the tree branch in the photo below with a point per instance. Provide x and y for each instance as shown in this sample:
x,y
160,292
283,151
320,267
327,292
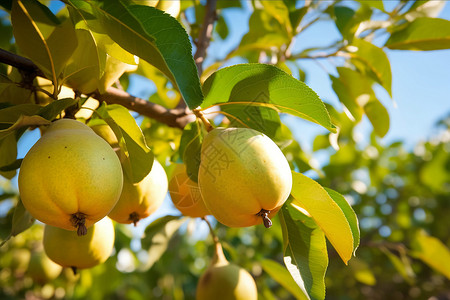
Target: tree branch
x,y
205,34
178,117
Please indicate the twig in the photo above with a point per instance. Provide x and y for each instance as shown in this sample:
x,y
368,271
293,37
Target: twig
x,y
177,117
205,34
211,230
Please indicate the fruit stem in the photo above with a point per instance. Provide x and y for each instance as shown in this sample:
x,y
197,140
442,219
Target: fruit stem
x,y
218,253
78,221
134,217
74,270
199,114
265,217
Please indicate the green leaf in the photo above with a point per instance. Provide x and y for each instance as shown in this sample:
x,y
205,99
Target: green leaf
x,y
263,85
52,110
8,155
353,90
131,140
155,37
312,198
373,3
41,36
422,34
9,115
21,221
373,61
283,277
305,251
265,32
157,236
190,147
403,265
378,116
23,121
432,252
349,215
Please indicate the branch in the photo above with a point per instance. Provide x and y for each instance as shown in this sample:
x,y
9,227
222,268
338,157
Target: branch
x,y
205,34
178,117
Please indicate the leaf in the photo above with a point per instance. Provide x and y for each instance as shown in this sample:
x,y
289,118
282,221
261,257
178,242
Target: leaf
x,y
190,148
8,155
349,215
373,61
311,197
155,37
305,251
266,86
403,265
157,236
432,252
265,32
378,116
131,137
41,36
23,121
52,110
422,34
283,277
21,221
10,114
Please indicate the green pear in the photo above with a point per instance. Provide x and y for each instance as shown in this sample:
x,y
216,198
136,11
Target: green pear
x,y
225,281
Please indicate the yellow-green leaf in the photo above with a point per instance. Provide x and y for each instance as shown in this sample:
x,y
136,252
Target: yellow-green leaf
x,y
432,252
311,197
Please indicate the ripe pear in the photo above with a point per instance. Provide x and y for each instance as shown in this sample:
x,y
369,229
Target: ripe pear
x,y
69,250
140,200
71,177
244,177
226,281
185,194
42,269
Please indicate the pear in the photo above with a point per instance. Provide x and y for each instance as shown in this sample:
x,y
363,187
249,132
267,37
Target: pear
x,y
69,250
185,194
244,177
71,178
140,200
225,281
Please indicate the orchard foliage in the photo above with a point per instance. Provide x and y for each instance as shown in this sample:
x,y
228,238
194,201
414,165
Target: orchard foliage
x,y
382,208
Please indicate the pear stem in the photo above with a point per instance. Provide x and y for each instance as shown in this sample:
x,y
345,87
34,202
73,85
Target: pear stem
x,y
134,217
78,221
199,114
74,270
218,251
265,216
211,230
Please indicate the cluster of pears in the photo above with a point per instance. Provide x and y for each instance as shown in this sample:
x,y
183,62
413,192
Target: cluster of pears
x,y
72,181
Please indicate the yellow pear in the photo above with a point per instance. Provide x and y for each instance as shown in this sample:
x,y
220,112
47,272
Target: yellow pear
x,y
71,177
185,194
225,281
69,250
140,200
244,177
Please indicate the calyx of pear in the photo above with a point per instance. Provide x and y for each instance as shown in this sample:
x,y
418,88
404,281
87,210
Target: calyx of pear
x,y
140,200
185,194
70,178
223,280
69,250
244,177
